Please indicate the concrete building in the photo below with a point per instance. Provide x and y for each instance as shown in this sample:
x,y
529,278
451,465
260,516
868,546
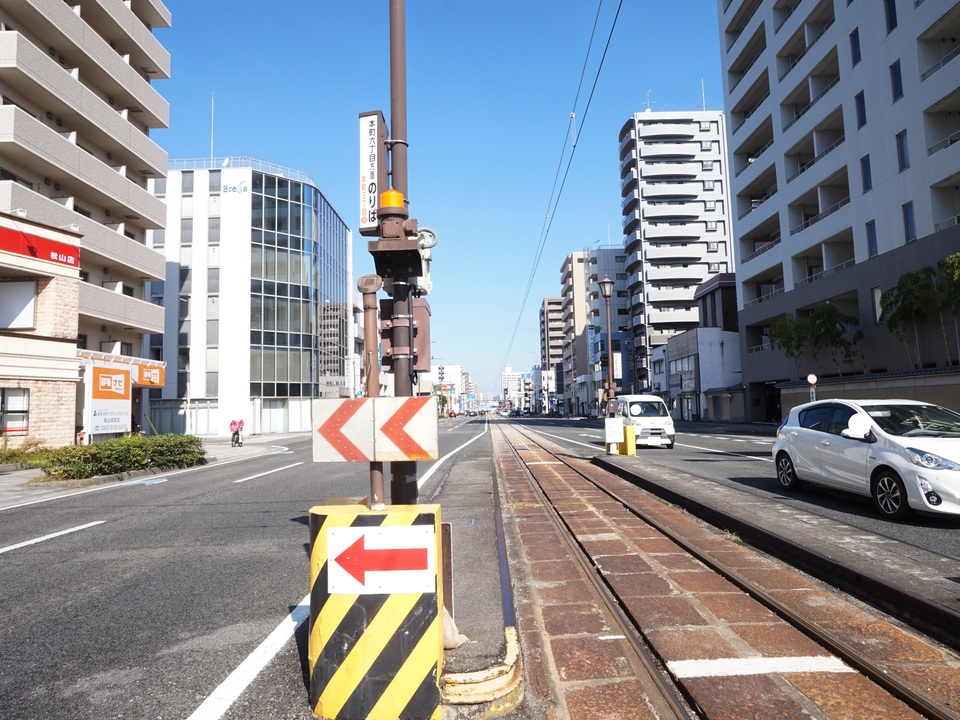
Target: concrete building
x,y
675,215
702,365
576,344
551,354
600,264
843,123
516,390
258,298
75,156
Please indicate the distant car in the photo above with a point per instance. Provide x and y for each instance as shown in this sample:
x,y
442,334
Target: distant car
x,y
904,454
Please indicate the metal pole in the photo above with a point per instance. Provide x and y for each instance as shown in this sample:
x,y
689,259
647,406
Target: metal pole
x,y
368,286
610,385
403,482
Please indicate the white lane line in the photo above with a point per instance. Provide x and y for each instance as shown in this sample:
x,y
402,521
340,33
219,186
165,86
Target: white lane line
x,y
8,548
226,693
268,472
724,667
111,486
438,463
726,452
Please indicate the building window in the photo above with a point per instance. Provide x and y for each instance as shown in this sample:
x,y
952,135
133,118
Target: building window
x,y
186,183
14,411
708,184
214,185
861,104
896,81
903,156
213,231
186,232
855,46
909,225
890,8
865,175
872,249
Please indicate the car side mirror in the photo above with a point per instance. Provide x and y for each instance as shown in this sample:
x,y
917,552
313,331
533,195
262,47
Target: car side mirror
x,y
858,427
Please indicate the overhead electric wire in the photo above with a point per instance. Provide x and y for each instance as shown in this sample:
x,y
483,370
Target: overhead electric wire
x,y
555,194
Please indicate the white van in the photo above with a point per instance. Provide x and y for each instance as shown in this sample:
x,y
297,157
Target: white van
x,y
650,418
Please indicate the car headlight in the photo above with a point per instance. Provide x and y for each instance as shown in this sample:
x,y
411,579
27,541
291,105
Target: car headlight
x,y
930,461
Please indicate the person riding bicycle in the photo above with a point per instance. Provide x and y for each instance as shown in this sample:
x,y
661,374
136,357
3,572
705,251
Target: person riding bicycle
x,y
236,430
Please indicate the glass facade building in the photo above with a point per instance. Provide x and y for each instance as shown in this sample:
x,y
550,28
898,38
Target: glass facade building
x,y
258,315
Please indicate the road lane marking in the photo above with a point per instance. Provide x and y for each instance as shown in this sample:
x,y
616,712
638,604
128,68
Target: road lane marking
x,y
439,462
50,536
268,472
111,486
726,452
227,692
725,667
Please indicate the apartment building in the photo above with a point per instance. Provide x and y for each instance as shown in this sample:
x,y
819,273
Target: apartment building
x,y
549,375
75,156
843,121
675,215
603,264
257,298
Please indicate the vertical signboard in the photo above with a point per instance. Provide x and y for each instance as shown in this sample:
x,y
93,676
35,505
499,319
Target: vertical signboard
x,y
373,169
110,400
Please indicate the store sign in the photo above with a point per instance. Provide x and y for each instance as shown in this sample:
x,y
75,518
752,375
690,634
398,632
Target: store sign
x,y
39,248
110,400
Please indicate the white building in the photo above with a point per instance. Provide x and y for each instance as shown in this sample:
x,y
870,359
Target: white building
x,y
258,298
843,121
676,209
76,110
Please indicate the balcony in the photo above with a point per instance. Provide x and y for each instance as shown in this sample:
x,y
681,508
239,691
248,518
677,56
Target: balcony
x,y
653,191
30,142
108,307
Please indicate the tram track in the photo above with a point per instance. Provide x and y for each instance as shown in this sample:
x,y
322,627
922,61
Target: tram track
x,y
601,516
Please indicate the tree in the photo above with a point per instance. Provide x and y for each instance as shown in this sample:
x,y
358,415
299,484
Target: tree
x,y
828,329
908,305
792,335
948,287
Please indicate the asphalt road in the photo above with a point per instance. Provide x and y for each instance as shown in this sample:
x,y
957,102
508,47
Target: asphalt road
x,y
158,591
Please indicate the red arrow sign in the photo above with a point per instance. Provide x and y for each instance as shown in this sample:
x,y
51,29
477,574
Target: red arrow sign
x,y
358,560
331,430
395,429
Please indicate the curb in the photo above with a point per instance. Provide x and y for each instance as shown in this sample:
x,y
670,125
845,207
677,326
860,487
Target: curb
x,y
499,687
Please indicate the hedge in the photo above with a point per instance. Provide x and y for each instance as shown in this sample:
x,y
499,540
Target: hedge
x,y
120,455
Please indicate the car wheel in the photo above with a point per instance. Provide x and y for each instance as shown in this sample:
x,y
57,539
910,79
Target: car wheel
x,y
669,446
890,495
786,473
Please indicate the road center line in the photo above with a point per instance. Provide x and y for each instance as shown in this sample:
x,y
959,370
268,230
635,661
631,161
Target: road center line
x,y
268,472
50,536
226,693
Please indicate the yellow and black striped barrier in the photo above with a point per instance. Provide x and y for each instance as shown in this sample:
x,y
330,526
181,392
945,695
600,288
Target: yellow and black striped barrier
x,y
376,632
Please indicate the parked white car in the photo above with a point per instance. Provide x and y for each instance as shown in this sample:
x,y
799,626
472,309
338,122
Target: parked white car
x,y
903,453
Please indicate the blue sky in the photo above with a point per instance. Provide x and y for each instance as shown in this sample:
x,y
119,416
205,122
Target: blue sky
x,y
490,90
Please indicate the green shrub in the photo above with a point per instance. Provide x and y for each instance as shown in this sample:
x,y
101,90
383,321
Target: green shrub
x,y
120,455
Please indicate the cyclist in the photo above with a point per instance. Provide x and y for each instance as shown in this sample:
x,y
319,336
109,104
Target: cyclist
x,y
236,430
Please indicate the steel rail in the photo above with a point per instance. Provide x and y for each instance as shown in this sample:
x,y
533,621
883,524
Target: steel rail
x,y
650,662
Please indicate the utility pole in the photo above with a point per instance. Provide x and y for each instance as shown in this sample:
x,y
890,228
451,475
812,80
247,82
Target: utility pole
x,y
403,479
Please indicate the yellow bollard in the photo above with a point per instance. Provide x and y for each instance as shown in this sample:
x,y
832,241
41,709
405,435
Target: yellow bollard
x,y
629,444
375,647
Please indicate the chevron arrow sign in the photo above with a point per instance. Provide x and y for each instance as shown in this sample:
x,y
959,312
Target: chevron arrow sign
x,y
375,429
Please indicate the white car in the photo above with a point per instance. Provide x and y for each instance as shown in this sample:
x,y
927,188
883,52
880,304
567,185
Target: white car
x,y
904,454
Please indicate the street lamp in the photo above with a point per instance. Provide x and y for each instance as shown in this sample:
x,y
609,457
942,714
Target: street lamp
x,y
606,289
812,379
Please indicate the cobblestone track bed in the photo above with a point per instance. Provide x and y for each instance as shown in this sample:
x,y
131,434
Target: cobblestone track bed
x,y
729,650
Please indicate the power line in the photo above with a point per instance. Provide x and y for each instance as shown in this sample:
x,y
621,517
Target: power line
x,y
555,193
